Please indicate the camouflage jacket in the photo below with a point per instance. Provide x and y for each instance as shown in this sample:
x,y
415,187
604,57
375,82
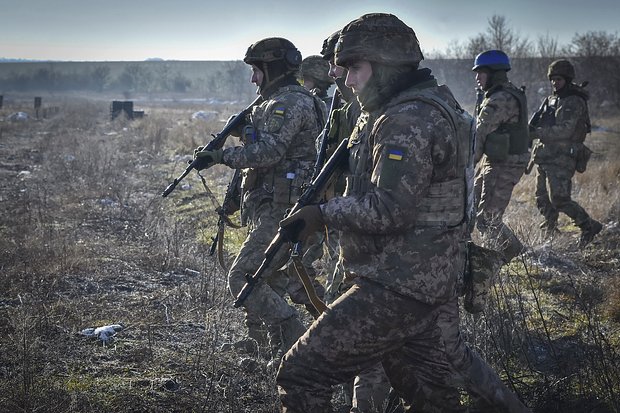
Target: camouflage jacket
x,y
557,143
396,153
279,156
498,109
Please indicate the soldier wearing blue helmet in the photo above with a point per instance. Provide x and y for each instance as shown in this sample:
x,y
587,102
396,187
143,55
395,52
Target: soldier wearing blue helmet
x,y
502,153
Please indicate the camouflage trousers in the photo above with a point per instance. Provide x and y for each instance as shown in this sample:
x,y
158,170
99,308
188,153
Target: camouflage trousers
x,y
265,304
553,195
471,372
371,389
492,191
334,271
366,326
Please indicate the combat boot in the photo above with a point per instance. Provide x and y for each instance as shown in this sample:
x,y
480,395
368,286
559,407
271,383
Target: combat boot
x,y
253,344
589,231
514,248
549,228
282,336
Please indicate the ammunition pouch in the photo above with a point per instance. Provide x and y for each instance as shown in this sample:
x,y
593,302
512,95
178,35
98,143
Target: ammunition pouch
x,y
249,180
248,135
497,146
286,190
582,155
481,269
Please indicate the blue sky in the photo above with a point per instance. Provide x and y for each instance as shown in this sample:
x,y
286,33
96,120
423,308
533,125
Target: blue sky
x,y
110,30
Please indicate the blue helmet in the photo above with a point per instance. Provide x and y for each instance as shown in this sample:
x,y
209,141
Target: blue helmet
x,y
492,59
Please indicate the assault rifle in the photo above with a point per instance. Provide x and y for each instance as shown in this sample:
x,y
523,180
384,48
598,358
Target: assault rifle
x,y
324,136
224,221
216,143
312,193
544,116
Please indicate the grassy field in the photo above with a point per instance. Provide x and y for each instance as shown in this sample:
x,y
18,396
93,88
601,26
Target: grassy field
x,y
86,240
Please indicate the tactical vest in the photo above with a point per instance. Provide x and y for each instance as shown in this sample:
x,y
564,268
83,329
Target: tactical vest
x,y
286,179
449,203
584,126
518,132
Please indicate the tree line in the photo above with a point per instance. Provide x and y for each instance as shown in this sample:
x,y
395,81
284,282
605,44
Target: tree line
x,y
499,35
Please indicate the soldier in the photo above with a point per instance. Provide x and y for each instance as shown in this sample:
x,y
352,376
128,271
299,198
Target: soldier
x,y
342,122
370,388
404,268
315,78
561,131
277,159
403,222
502,142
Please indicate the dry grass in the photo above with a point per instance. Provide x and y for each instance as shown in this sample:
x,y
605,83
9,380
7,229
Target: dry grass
x,y
86,240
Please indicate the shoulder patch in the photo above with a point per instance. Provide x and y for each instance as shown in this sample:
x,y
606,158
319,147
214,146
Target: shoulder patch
x,y
275,119
395,153
393,167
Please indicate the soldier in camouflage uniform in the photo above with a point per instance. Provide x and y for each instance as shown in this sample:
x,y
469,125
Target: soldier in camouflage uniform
x,y
315,78
403,271
502,142
561,131
277,159
370,388
402,223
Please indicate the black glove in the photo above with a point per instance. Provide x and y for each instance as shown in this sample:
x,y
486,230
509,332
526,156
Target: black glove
x,y
206,159
302,223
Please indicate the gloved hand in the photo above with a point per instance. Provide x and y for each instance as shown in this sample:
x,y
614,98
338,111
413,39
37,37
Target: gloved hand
x,y
303,223
206,159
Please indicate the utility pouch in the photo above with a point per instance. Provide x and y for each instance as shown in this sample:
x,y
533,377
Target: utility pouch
x,y
248,135
582,156
481,269
285,190
249,179
497,146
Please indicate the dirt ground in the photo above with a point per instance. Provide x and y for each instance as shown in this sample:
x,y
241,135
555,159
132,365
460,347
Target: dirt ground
x,y
87,241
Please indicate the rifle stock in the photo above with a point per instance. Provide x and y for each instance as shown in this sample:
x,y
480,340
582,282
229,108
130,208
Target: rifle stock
x,y
216,143
310,195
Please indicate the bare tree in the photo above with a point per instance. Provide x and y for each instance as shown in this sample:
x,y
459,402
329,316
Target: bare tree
x,y
594,44
547,46
456,50
477,44
499,36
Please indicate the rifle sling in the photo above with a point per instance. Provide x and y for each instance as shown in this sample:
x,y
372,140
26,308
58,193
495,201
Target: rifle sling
x,y
318,304
220,246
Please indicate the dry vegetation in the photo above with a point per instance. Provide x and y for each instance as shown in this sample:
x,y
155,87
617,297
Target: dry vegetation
x,y
86,240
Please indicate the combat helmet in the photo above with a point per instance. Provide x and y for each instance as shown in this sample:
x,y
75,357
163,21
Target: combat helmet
x,y
562,68
317,69
378,37
273,49
329,46
492,59
276,57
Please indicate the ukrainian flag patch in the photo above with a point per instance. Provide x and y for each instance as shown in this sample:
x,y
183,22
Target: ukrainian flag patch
x,y
395,154
279,111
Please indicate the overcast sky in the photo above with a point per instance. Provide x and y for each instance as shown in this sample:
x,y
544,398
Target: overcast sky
x,y
128,30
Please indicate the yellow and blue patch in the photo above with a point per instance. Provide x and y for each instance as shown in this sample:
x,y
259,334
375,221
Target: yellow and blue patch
x,y
395,154
276,120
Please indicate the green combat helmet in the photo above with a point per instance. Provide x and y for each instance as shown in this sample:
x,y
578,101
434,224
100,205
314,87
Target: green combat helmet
x,y
562,68
275,57
329,46
316,69
378,37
